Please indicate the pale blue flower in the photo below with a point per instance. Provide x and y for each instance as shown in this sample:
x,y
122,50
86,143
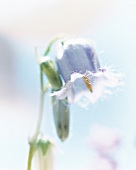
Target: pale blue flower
x,y
82,73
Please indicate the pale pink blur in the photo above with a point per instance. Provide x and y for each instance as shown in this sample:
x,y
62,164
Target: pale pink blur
x,y
102,163
104,139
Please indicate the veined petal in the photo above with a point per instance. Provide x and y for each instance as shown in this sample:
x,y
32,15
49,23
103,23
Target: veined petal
x,y
77,56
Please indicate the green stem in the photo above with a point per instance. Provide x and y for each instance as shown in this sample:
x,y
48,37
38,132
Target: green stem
x,y
39,121
32,140
41,78
30,156
44,89
34,136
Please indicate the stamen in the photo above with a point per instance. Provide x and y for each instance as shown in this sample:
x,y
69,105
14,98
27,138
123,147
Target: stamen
x,y
87,83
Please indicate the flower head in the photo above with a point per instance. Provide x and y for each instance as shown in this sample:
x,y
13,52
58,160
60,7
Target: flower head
x,y
80,69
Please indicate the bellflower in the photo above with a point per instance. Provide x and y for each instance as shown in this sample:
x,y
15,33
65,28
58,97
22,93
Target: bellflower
x,y
82,73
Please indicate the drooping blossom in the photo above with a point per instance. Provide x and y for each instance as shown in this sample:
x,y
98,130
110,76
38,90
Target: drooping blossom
x,y
82,73
75,75
104,139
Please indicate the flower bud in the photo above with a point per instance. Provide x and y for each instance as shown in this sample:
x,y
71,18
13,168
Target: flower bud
x,y
44,154
48,67
61,117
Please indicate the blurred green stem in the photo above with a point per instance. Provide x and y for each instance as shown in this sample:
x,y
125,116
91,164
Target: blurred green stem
x,y
41,78
30,156
39,121
33,138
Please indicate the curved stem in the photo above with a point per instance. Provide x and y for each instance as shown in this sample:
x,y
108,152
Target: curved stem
x,y
39,121
41,78
33,138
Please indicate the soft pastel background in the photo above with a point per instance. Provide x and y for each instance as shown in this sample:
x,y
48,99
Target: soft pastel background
x,y
24,24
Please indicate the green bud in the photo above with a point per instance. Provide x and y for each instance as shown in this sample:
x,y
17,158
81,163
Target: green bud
x,y
61,117
48,67
44,154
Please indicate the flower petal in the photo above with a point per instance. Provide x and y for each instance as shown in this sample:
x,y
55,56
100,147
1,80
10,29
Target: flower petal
x,y
66,91
77,57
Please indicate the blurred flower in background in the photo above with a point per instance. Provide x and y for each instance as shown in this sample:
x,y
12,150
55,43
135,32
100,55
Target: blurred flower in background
x,y
104,141
102,163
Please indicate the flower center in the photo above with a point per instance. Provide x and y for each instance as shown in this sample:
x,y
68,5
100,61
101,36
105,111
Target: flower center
x,y
87,83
